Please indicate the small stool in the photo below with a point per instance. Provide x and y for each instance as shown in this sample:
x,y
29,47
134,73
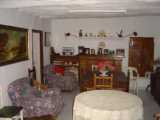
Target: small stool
x,y
46,117
11,112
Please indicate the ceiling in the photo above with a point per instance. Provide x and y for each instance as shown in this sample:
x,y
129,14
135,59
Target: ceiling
x,y
83,8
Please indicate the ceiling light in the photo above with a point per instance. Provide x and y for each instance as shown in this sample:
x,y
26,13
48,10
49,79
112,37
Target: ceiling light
x,y
148,0
99,11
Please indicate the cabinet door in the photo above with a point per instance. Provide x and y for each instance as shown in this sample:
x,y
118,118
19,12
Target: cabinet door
x,y
148,54
141,54
135,53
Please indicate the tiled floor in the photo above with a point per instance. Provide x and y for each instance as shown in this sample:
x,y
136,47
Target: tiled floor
x,y
66,113
150,106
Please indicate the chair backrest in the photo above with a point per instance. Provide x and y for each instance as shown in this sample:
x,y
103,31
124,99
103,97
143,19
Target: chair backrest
x,y
1,97
101,82
132,73
148,75
32,75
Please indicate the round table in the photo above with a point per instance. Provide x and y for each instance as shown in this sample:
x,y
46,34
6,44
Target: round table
x,y
107,105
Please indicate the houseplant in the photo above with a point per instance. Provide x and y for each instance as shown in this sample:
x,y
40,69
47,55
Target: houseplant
x,y
104,68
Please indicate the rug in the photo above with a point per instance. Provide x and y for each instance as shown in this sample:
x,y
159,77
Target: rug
x,y
47,117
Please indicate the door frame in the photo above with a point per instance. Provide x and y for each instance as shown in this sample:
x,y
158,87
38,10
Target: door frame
x,y
41,52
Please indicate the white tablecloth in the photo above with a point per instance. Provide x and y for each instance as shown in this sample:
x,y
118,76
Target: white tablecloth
x,y
107,105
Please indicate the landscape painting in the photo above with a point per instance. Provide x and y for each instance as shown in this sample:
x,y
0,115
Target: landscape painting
x,y
13,44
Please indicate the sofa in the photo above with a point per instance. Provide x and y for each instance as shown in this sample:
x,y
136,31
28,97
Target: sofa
x,y
66,82
34,101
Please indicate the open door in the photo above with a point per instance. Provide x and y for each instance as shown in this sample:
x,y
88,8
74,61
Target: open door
x,y
37,54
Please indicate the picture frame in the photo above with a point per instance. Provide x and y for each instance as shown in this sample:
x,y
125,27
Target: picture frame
x,y
47,42
92,51
68,51
13,44
100,51
105,51
87,51
81,50
120,52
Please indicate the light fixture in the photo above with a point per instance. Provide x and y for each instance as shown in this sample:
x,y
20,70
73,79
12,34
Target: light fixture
x,y
120,34
98,11
148,0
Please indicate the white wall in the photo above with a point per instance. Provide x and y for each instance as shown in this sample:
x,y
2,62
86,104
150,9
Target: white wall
x,y
11,72
147,26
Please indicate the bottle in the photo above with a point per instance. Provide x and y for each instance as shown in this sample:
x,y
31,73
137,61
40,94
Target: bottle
x,y
80,33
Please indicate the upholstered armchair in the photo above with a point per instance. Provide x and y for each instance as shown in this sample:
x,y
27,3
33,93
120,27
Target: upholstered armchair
x,y
35,102
66,82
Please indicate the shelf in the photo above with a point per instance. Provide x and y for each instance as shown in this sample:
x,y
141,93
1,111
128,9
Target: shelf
x,y
91,38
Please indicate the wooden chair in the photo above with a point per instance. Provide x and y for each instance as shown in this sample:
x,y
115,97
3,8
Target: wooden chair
x,y
32,75
103,82
9,112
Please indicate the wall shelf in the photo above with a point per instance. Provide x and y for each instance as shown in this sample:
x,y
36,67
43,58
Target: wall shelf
x,y
72,37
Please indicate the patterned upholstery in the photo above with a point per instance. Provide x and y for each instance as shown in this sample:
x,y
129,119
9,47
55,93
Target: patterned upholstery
x,y
66,82
34,102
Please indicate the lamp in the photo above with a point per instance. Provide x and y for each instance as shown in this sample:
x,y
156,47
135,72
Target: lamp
x,y
120,34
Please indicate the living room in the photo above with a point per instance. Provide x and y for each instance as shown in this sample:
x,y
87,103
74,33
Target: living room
x,y
144,25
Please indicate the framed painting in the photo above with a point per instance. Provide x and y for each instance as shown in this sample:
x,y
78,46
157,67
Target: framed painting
x,y
120,52
13,44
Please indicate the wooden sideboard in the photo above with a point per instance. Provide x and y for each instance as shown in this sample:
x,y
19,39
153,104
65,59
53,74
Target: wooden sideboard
x,y
84,63
87,61
86,75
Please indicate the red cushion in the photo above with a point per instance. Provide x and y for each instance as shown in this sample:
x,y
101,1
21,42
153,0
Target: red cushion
x,y
58,69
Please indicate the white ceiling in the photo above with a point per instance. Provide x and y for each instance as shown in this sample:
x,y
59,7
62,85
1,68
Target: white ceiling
x,y
83,8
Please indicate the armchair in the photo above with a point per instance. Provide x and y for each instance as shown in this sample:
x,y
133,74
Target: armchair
x,y
34,102
66,82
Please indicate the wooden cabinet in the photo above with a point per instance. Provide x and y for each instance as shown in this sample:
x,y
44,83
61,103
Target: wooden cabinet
x,y
86,63
103,82
141,53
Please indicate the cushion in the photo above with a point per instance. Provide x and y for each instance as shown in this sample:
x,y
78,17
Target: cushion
x,y
58,69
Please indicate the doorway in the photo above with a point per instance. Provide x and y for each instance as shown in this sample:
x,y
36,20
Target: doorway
x,y
37,54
